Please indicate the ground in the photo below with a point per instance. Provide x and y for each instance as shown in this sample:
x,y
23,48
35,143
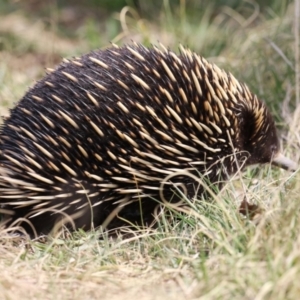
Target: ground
x,y
212,252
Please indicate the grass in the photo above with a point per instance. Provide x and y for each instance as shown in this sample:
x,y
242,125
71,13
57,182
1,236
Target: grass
x,y
212,252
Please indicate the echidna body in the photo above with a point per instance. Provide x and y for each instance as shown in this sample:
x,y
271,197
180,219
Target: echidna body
x,y
99,138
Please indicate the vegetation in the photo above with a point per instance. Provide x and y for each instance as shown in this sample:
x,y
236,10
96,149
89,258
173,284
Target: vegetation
x,y
212,251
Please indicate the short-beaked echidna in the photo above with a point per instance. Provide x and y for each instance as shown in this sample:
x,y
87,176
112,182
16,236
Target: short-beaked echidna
x,y
96,138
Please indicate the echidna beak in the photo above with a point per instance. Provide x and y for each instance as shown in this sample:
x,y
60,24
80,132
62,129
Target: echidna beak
x,y
283,162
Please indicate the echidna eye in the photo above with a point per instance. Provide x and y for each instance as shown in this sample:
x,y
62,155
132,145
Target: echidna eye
x,y
273,149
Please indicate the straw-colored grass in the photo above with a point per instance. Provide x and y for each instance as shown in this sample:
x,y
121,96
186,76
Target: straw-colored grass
x,y
212,251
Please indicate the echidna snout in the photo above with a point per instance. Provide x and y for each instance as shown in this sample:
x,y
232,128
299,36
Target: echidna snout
x,y
95,139
283,162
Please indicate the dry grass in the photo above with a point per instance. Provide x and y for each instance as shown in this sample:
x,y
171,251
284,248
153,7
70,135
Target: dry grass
x,y
211,253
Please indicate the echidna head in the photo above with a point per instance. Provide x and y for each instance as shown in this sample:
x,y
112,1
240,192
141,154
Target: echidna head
x,y
262,145
261,140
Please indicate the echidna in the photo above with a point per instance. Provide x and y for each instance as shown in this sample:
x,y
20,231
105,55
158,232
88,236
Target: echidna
x,y
99,138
